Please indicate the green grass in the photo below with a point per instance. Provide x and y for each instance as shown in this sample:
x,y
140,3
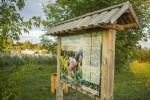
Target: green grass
x,y
32,82
134,85
35,83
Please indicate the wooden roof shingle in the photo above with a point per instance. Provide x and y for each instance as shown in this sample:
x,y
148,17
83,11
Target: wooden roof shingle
x,y
119,17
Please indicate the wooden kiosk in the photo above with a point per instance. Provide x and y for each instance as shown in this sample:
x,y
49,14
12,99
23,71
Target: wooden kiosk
x,y
98,26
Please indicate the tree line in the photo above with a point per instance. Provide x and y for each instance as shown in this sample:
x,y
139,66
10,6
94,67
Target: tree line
x,y
12,23
143,55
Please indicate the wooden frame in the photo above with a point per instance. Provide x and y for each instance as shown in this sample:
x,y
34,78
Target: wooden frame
x,y
107,76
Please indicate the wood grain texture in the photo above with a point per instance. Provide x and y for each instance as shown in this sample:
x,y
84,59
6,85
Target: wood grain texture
x,y
59,84
108,59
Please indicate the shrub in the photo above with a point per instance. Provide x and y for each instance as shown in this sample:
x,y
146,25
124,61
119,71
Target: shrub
x,y
17,60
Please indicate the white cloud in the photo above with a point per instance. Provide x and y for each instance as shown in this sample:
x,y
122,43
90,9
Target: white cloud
x,y
145,44
33,36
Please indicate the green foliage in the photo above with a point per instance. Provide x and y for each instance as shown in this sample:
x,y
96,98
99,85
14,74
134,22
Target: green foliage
x,y
49,44
7,60
39,47
33,83
134,85
26,45
18,44
17,60
142,55
11,22
125,40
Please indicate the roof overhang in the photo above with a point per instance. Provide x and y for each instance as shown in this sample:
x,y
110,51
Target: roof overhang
x,y
118,17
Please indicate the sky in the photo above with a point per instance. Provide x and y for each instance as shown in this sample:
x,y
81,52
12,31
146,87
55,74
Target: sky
x,y
32,8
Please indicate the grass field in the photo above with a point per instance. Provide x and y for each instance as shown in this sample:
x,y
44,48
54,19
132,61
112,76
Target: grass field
x,y
32,82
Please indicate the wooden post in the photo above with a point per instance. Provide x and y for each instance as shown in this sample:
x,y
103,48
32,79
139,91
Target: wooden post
x,y
65,88
59,85
53,83
108,63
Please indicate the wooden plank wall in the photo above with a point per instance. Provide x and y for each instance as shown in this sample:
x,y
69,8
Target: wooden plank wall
x,y
59,85
108,59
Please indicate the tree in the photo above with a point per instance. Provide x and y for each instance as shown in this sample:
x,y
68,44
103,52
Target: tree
x,y
143,55
8,42
26,45
38,47
125,40
11,22
19,43
48,43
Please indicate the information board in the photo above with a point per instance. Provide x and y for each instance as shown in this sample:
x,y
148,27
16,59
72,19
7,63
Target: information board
x,y
81,57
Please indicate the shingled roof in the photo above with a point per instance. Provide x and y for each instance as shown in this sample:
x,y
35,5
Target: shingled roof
x,y
119,17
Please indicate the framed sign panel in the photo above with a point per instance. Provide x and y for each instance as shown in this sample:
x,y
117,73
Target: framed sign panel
x,y
81,58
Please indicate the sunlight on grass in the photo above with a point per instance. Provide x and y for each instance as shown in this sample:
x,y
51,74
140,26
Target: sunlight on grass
x,y
140,69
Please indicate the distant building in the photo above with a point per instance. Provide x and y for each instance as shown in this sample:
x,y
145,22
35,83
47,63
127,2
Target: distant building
x,y
27,51
43,51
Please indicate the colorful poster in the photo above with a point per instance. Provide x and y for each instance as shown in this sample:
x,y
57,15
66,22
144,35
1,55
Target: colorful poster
x,y
81,61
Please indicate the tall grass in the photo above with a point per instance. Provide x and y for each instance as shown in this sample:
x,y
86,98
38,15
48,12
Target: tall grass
x,y
15,71
15,60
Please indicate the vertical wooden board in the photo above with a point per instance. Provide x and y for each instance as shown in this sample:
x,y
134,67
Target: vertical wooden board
x,y
104,66
65,88
53,83
59,85
112,66
111,63
108,56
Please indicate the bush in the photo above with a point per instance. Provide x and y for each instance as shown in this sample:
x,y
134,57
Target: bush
x,y
9,60
17,60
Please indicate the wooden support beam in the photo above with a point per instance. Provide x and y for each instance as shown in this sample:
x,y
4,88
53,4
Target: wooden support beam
x,y
59,84
112,26
134,16
129,26
108,59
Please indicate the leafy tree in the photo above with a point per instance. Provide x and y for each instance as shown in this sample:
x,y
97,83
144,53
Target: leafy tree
x,y
48,43
19,43
39,47
125,40
8,42
143,55
11,22
26,45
